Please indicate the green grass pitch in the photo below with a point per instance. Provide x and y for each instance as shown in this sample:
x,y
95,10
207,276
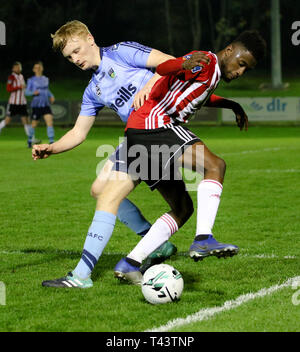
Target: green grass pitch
x,y
46,210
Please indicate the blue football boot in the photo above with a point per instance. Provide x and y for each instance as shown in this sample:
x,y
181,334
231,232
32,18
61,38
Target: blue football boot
x,y
209,246
128,272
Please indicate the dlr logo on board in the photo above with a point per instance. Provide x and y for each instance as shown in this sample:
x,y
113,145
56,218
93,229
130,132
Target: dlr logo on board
x,y
276,105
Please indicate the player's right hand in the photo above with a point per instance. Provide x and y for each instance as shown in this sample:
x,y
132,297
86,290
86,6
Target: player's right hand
x,y
140,97
240,116
197,59
41,151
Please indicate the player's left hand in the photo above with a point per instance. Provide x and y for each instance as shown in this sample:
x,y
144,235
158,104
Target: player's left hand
x,y
196,59
52,100
240,117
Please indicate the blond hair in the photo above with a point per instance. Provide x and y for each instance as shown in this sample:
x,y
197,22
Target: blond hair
x,y
67,31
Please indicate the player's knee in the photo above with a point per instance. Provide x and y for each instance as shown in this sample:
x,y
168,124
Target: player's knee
x,y
217,166
221,167
95,191
109,202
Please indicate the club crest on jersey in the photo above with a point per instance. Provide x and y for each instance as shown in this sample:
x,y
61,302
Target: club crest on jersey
x,y
111,73
196,69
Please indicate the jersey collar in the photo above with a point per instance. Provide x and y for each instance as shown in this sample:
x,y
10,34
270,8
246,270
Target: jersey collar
x,y
99,67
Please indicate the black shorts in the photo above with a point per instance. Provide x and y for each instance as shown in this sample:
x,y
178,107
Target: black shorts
x,y
152,154
16,110
37,113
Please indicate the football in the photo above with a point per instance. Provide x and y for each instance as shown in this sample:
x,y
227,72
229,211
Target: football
x,y
162,283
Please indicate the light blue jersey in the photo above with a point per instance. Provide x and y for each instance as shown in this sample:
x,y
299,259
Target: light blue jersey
x,y
40,83
120,75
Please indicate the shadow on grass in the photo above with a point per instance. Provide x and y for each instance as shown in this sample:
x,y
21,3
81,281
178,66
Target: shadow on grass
x,y
106,262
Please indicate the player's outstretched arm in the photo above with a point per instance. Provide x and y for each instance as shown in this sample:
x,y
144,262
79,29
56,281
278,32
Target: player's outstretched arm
x,y
165,65
173,66
241,117
69,141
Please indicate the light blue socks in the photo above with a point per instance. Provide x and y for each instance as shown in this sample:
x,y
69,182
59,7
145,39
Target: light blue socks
x,y
131,216
97,238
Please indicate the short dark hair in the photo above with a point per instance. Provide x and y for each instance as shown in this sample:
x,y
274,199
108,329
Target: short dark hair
x,y
39,63
253,42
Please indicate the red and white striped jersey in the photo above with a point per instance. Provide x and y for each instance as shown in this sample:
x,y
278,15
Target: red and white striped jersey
x,y
14,86
177,96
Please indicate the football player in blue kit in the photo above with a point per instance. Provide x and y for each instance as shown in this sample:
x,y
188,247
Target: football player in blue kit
x,y
38,88
122,80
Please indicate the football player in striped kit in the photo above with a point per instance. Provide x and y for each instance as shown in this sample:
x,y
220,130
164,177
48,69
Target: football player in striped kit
x,y
184,78
38,88
185,86
17,104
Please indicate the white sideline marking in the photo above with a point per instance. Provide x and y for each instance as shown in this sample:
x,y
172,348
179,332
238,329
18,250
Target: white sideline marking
x,y
274,171
258,256
268,256
252,151
184,254
207,313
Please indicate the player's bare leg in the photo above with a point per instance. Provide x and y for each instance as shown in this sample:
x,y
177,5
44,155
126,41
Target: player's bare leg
x,y
101,179
25,122
6,121
132,217
117,188
208,198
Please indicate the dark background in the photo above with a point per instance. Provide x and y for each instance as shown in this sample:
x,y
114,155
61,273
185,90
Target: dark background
x,y
173,26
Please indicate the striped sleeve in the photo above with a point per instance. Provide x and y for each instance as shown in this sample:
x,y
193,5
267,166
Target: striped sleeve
x,y
10,86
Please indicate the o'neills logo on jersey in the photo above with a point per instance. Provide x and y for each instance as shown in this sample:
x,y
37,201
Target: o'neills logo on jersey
x,y
98,90
124,94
